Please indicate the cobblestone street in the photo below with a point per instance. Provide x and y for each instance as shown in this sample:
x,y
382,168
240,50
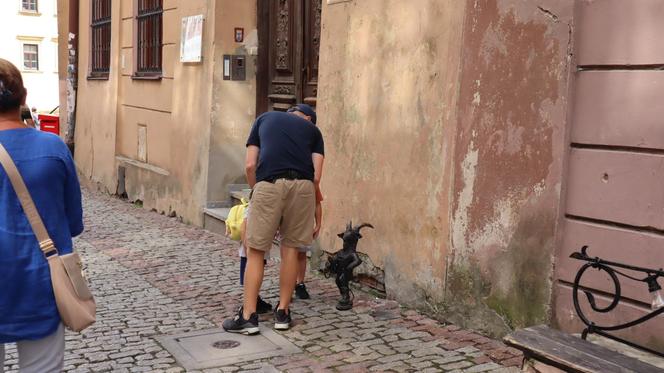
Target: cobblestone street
x,y
154,276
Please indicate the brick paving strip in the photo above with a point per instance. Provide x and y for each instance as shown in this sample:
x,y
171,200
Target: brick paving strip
x,y
152,275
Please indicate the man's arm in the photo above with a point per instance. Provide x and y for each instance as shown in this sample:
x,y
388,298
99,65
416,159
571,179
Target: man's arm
x,y
317,160
250,164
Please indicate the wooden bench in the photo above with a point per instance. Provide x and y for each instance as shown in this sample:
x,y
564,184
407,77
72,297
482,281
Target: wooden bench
x,y
548,350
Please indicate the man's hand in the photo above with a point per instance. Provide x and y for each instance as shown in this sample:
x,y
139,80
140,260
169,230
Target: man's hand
x,y
319,218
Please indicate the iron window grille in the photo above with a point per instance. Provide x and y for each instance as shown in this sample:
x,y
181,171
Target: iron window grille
x,y
29,6
149,38
100,29
30,56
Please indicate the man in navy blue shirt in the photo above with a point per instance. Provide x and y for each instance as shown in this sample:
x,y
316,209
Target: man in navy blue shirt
x,y
284,164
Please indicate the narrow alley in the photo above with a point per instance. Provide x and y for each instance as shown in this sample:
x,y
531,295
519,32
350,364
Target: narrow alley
x,y
153,276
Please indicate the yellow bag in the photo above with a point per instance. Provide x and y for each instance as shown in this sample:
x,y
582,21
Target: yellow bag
x,y
234,220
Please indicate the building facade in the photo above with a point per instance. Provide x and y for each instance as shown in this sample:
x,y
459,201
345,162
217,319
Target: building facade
x,y
30,41
485,140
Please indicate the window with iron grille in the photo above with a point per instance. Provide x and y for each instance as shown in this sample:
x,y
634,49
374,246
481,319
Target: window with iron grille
x,y
100,29
30,56
29,5
148,38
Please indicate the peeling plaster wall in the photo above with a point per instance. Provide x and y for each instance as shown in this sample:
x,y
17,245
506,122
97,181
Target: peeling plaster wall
x,y
509,158
388,87
233,107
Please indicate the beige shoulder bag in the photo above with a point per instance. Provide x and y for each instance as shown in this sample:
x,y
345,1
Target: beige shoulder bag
x,y
75,303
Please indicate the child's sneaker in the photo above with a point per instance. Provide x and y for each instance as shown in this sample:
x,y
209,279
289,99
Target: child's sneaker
x,y
239,325
301,291
282,320
263,307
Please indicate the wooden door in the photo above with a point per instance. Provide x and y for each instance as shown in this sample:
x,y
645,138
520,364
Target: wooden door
x,y
289,41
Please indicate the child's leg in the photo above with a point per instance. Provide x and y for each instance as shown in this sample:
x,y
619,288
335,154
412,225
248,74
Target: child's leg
x,y
301,266
243,267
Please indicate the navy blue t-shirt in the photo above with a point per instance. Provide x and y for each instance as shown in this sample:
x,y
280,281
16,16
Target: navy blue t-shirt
x,y
286,142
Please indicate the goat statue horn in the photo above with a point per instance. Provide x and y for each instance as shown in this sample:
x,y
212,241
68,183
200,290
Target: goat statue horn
x,y
362,226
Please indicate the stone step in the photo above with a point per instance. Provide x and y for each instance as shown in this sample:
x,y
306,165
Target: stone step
x,y
214,219
238,195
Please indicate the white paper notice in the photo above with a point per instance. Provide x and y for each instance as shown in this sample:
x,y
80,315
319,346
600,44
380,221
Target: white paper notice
x,y
191,40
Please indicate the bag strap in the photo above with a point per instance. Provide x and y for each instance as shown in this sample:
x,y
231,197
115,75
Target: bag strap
x,y
45,243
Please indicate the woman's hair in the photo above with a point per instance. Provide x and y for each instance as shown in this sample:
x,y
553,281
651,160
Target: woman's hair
x,y
12,91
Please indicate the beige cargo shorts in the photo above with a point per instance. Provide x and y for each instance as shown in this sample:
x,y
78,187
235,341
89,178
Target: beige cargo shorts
x,y
286,205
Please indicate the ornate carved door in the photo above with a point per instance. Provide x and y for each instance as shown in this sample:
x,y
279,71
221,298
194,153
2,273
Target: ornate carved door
x,y
288,53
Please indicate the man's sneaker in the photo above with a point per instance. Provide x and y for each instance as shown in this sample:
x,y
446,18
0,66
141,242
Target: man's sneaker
x,y
282,320
301,291
263,307
239,325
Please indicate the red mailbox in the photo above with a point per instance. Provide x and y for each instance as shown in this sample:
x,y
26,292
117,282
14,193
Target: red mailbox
x,y
49,123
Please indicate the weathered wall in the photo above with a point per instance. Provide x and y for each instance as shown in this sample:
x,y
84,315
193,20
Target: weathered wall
x,y
233,102
96,108
174,110
388,87
509,158
63,39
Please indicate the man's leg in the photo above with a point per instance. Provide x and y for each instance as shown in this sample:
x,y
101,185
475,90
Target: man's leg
x,y
262,223
46,355
287,276
301,266
297,228
253,279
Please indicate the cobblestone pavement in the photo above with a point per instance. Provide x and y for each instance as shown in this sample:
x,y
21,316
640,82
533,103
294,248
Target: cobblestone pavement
x,y
152,275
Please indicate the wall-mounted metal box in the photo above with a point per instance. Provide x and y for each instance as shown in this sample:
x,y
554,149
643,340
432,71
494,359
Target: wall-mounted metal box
x,y
235,67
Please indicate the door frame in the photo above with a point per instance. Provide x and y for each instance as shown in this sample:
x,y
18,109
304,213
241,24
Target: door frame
x,y
263,60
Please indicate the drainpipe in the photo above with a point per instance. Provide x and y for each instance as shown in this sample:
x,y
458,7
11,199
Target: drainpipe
x,y
72,73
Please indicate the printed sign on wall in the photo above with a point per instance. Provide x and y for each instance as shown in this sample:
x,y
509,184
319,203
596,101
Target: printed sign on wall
x,y
191,39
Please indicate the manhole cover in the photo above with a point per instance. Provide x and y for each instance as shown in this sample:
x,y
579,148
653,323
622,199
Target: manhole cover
x,y
215,348
225,345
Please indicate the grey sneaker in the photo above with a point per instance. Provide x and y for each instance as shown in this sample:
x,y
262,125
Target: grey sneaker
x,y
239,325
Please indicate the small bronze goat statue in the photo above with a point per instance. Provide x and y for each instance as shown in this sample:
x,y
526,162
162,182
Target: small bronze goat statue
x,y
343,262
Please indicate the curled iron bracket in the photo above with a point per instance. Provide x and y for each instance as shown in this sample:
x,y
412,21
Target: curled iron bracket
x,y
610,268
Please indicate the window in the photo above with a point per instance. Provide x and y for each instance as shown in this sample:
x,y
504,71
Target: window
x,y
29,6
148,37
100,29
30,56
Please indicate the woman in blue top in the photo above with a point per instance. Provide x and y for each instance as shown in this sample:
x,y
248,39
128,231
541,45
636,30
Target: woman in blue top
x,y
28,314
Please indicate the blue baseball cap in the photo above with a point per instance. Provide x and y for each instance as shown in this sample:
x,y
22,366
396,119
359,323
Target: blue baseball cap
x,y
306,110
